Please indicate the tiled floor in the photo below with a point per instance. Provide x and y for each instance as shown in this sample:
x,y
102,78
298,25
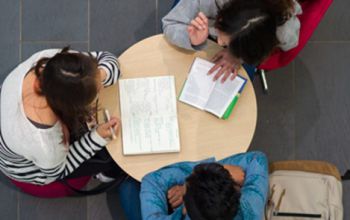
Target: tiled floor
x,y
305,116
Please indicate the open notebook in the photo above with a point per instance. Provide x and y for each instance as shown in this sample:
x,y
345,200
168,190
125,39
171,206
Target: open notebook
x,y
149,115
213,96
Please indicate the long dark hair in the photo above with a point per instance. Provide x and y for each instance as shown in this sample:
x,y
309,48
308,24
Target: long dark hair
x,y
282,9
69,83
251,26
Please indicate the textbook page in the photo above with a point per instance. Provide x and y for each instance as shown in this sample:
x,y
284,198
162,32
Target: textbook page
x,y
149,115
223,94
198,85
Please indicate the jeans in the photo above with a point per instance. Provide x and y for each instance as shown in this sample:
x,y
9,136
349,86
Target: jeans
x,y
128,193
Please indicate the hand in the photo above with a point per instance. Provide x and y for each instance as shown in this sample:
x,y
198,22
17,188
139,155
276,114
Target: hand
x,y
237,173
175,195
102,74
226,64
104,130
198,30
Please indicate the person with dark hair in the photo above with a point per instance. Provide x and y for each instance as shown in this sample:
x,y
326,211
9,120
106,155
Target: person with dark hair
x,y
233,188
47,103
250,30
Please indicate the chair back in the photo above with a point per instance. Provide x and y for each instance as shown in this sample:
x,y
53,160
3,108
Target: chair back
x,y
313,12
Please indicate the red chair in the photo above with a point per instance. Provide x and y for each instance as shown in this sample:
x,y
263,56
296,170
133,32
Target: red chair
x,y
52,190
313,12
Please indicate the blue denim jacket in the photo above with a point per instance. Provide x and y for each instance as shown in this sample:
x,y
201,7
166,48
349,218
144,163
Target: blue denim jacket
x,y
155,185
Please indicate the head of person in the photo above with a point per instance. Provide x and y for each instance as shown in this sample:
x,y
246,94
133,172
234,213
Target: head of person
x,y
248,29
70,82
211,193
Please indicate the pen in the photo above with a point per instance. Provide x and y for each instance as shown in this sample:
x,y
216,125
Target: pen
x,y
264,82
107,119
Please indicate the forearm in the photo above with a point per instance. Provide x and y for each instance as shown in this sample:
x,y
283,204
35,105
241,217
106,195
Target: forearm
x,y
108,66
175,24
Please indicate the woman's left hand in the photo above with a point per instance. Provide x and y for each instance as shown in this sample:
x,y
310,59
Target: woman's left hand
x,y
226,63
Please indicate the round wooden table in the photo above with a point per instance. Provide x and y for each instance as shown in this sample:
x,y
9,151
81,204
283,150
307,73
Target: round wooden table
x,y
202,135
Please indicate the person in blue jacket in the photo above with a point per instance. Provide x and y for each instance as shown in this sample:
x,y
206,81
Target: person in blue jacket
x,y
233,188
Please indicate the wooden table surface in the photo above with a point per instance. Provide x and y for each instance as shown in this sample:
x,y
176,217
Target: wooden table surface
x,y
202,135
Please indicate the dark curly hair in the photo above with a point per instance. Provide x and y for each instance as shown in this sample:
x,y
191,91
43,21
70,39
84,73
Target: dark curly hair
x,y
211,193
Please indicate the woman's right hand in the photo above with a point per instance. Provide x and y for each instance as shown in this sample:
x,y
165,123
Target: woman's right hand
x,y
104,130
198,30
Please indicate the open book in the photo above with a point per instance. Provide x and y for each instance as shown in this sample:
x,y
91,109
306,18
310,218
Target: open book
x,y
213,96
149,115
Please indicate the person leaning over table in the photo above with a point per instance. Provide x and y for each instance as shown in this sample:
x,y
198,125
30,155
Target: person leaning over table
x,y
233,188
46,102
248,29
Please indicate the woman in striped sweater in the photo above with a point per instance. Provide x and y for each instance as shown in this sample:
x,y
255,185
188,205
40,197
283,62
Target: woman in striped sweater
x,y
46,103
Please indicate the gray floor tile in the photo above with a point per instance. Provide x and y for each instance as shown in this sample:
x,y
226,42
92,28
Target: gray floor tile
x,y
29,48
8,199
9,38
274,133
163,7
335,24
323,103
50,20
104,207
116,25
346,199
53,209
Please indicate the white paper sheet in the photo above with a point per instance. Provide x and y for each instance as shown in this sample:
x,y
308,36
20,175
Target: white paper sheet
x,y
149,115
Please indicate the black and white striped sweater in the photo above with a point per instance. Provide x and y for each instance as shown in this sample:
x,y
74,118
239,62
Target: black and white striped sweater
x,y
38,156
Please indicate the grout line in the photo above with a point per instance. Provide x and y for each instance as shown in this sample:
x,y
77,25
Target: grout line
x,y
55,42
295,108
325,41
157,15
88,25
20,31
18,197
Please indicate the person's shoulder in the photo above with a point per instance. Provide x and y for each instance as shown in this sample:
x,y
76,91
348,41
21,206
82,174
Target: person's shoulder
x,y
44,53
184,168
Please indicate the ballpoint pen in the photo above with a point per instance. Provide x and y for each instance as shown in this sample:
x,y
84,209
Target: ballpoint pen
x,y
107,119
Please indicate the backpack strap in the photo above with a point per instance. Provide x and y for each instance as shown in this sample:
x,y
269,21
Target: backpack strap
x,y
101,188
346,176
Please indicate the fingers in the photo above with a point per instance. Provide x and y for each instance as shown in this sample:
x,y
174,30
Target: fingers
x,y
217,56
222,71
116,126
172,191
234,74
195,24
216,66
113,122
204,18
175,196
226,75
176,203
200,22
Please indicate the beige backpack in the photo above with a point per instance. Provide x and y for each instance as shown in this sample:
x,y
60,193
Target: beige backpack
x,y
304,190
